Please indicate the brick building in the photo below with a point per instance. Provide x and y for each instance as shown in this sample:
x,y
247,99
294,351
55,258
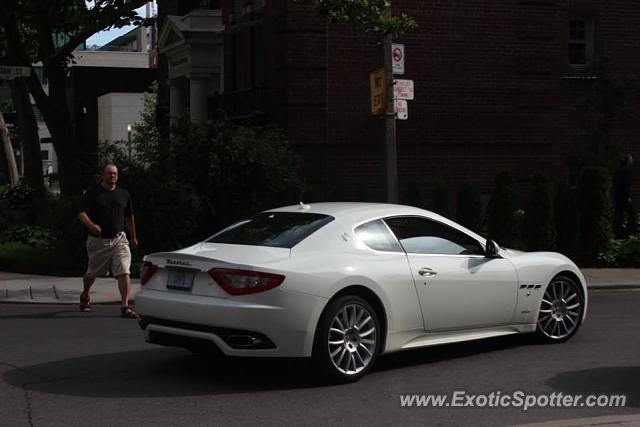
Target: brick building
x,y
499,84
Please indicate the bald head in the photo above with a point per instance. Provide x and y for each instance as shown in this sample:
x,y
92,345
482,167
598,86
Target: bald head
x,y
110,175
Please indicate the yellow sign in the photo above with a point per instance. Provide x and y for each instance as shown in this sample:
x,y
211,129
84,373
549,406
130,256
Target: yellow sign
x,y
378,84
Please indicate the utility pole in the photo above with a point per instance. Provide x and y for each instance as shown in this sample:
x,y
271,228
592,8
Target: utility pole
x,y
390,147
129,139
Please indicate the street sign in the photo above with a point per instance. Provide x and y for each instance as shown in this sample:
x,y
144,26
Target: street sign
x,y
402,109
397,55
11,72
403,89
378,85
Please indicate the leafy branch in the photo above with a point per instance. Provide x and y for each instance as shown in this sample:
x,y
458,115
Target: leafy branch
x,y
369,16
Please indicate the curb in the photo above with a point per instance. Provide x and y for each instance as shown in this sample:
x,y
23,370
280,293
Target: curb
x,y
111,300
131,302
612,287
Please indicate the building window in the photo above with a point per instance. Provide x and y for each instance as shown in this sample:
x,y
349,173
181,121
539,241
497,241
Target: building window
x,y
580,41
44,154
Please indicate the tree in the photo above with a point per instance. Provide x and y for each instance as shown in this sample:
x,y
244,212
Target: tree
x,y
27,127
28,131
369,16
48,31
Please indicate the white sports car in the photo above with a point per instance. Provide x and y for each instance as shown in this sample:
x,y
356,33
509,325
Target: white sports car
x,y
345,282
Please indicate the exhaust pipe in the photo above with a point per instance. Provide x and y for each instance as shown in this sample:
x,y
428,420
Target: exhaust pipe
x,y
243,341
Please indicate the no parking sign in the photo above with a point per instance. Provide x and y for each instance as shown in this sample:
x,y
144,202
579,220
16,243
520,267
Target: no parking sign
x,y
397,55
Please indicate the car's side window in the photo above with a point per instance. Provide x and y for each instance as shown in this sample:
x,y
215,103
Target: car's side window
x,y
377,236
424,236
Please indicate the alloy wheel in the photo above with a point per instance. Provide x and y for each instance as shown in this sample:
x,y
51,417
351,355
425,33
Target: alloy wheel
x,y
352,339
560,310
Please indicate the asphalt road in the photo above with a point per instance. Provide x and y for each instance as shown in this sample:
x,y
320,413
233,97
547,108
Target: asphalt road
x,y
60,367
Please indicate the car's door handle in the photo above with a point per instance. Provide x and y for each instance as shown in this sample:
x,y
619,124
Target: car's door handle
x,y
427,272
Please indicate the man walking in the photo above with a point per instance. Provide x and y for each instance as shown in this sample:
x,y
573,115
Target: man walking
x,y
104,211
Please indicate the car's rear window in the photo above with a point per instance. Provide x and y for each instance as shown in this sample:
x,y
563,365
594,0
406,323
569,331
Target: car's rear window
x,y
276,229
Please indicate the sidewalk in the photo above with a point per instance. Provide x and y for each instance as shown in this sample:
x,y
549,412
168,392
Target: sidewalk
x,y
26,289
611,278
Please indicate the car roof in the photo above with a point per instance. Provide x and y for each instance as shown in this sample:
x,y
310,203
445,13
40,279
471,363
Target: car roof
x,y
341,209
356,212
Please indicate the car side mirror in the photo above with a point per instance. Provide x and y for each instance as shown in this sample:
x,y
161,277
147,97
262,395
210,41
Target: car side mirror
x,y
491,249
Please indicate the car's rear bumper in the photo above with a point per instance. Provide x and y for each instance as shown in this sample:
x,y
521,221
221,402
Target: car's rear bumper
x,y
274,324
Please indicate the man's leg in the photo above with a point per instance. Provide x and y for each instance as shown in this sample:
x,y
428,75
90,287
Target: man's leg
x,y
121,263
88,282
124,284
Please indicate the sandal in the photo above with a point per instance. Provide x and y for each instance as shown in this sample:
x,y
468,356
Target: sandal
x,y
85,305
128,312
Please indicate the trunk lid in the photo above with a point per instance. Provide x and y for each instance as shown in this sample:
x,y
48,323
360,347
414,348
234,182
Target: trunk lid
x,y
186,270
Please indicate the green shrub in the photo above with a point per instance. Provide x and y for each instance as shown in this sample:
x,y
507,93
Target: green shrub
x,y
469,207
440,200
19,196
594,201
32,235
567,221
503,215
239,170
539,228
22,258
216,174
4,223
60,215
622,253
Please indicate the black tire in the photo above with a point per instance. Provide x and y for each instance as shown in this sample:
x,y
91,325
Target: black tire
x,y
356,340
560,312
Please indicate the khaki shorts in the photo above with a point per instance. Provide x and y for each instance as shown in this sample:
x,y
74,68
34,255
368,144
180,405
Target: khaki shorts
x,y
108,255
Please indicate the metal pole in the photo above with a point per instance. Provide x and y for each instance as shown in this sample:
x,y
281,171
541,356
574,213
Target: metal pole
x,y
129,138
390,149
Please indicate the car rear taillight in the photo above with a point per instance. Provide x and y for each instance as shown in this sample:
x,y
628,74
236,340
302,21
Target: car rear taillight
x,y
244,282
147,271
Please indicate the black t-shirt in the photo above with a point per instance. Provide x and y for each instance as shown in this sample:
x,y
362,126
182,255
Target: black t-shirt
x,y
107,208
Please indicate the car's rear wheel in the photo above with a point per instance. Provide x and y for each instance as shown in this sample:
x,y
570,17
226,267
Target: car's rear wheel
x,y
561,310
347,340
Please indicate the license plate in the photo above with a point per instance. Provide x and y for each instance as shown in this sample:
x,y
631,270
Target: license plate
x,y
180,280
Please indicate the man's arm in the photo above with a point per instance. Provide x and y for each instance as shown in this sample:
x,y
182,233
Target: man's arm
x,y
86,221
131,225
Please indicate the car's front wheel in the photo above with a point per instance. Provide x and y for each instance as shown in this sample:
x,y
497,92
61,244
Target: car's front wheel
x,y
561,310
347,340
